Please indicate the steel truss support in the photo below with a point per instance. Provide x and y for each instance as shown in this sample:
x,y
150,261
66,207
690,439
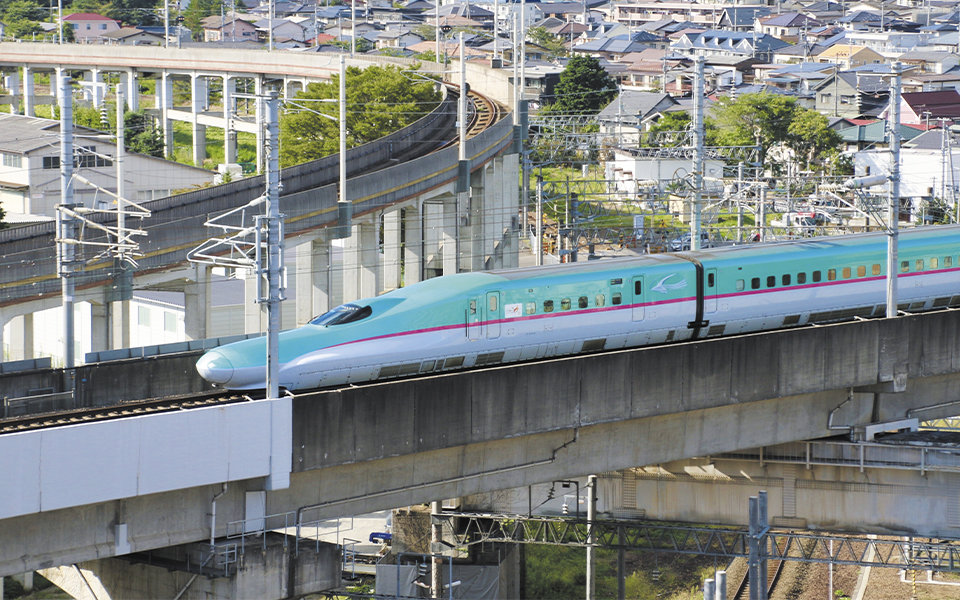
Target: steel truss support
x,y
728,543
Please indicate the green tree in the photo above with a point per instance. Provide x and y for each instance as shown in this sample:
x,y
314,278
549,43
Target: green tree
x,y
752,119
141,135
584,88
669,130
546,40
379,100
136,12
196,12
22,18
811,137
81,6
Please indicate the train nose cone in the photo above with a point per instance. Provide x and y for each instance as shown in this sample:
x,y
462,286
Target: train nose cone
x,y
215,368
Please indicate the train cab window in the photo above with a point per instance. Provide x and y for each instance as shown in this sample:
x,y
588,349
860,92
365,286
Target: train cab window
x,y
947,261
600,299
847,273
801,278
493,302
919,264
582,302
740,285
934,263
345,313
786,279
755,283
637,287
530,308
816,276
565,304
711,279
548,306
904,266
771,281
875,269
616,298
831,274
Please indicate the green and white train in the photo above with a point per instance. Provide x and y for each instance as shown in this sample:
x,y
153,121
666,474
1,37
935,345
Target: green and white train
x,y
479,319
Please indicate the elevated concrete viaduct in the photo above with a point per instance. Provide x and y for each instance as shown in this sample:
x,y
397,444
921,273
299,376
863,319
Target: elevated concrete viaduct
x,y
376,446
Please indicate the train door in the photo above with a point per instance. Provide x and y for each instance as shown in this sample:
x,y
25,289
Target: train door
x,y
474,322
638,298
710,291
493,315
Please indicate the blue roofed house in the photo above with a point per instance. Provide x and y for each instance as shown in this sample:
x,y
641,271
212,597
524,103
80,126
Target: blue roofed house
x,y
786,25
728,43
741,18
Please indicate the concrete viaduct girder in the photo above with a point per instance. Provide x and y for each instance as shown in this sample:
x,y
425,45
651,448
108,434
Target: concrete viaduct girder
x,y
383,445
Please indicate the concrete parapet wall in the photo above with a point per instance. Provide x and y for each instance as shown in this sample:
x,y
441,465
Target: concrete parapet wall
x,y
380,421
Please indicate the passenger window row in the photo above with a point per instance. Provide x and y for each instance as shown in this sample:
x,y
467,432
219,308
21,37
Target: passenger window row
x,y
530,308
845,273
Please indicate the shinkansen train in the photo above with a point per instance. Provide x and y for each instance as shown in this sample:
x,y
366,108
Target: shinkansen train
x,y
488,318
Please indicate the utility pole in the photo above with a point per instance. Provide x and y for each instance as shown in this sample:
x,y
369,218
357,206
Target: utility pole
x,y
344,207
66,225
591,536
271,225
893,207
698,90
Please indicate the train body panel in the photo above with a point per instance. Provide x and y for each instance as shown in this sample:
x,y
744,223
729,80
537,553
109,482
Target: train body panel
x,y
479,319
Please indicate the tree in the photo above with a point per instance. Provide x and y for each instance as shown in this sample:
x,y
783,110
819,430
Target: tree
x,y
752,119
141,135
22,18
136,12
669,130
195,13
811,137
379,100
546,40
584,88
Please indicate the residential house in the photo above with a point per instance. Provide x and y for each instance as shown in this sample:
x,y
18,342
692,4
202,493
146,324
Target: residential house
x,y
929,62
631,113
852,94
728,43
871,133
848,56
397,38
888,43
860,20
634,14
30,168
927,107
229,28
785,25
615,47
88,27
741,18
132,36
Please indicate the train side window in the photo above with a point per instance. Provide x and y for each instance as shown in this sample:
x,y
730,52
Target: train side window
x,y
771,280
565,304
582,302
785,279
600,299
473,307
875,269
934,263
711,279
530,308
847,272
831,274
637,287
616,281
740,285
861,270
919,264
904,266
492,303
947,261
755,283
548,306
816,276
616,298
801,278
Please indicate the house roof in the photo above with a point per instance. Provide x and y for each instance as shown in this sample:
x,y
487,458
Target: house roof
x,y
636,104
126,32
792,19
938,104
875,132
87,17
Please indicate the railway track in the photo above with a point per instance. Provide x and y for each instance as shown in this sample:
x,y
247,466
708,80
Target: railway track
x,y
119,411
774,568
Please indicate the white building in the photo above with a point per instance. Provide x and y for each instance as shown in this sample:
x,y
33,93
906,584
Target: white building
x,y
30,169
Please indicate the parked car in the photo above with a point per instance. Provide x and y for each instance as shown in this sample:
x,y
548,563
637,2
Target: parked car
x,y
683,242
